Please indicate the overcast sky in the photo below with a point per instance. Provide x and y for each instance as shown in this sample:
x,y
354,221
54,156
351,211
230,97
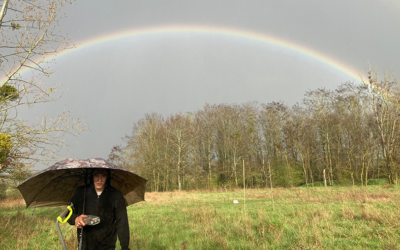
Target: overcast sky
x,y
115,83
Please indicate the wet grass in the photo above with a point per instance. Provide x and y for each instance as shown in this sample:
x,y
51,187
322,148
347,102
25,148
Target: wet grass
x,y
303,218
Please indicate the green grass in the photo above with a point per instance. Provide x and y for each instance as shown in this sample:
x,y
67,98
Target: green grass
x,y
303,218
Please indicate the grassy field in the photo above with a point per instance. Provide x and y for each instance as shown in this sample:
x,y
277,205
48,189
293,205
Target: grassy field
x,y
302,218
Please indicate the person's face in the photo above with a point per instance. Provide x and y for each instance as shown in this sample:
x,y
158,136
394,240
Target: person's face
x,y
99,179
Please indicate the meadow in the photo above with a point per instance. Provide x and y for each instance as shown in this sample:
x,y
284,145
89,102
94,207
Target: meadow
x,y
298,218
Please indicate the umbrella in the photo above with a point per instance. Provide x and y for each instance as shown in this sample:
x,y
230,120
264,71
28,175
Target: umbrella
x,y
55,186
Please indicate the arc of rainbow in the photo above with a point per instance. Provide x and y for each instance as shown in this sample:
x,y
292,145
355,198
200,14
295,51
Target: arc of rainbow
x,y
215,30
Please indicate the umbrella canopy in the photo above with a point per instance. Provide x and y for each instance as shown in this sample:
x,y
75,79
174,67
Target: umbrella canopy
x,y
55,186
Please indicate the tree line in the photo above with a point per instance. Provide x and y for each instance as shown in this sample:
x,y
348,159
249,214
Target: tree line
x,y
349,135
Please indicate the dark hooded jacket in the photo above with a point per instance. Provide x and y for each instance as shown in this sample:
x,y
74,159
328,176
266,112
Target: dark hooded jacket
x,y
111,208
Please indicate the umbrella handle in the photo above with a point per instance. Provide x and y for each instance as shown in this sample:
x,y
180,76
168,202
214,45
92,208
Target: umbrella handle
x,y
64,213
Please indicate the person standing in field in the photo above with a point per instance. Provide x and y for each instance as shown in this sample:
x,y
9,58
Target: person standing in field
x,y
106,202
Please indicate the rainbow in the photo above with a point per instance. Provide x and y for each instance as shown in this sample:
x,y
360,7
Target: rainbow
x,y
214,30
357,77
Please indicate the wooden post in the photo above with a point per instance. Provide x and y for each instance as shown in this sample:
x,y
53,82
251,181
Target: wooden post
x,y
270,182
244,189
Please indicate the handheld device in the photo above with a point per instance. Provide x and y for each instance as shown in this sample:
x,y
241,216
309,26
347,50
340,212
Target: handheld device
x,y
90,220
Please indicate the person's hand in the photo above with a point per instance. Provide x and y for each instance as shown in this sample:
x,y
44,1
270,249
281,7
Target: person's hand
x,y
79,222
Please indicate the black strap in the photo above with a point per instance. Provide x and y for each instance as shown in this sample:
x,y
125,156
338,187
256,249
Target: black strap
x,y
83,210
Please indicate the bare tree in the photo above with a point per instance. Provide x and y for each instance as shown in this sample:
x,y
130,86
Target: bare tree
x,y
304,139
180,141
319,102
205,120
384,95
29,36
232,139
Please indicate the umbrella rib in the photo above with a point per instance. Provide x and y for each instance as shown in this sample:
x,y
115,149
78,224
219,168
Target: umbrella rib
x,y
48,184
124,184
133,189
